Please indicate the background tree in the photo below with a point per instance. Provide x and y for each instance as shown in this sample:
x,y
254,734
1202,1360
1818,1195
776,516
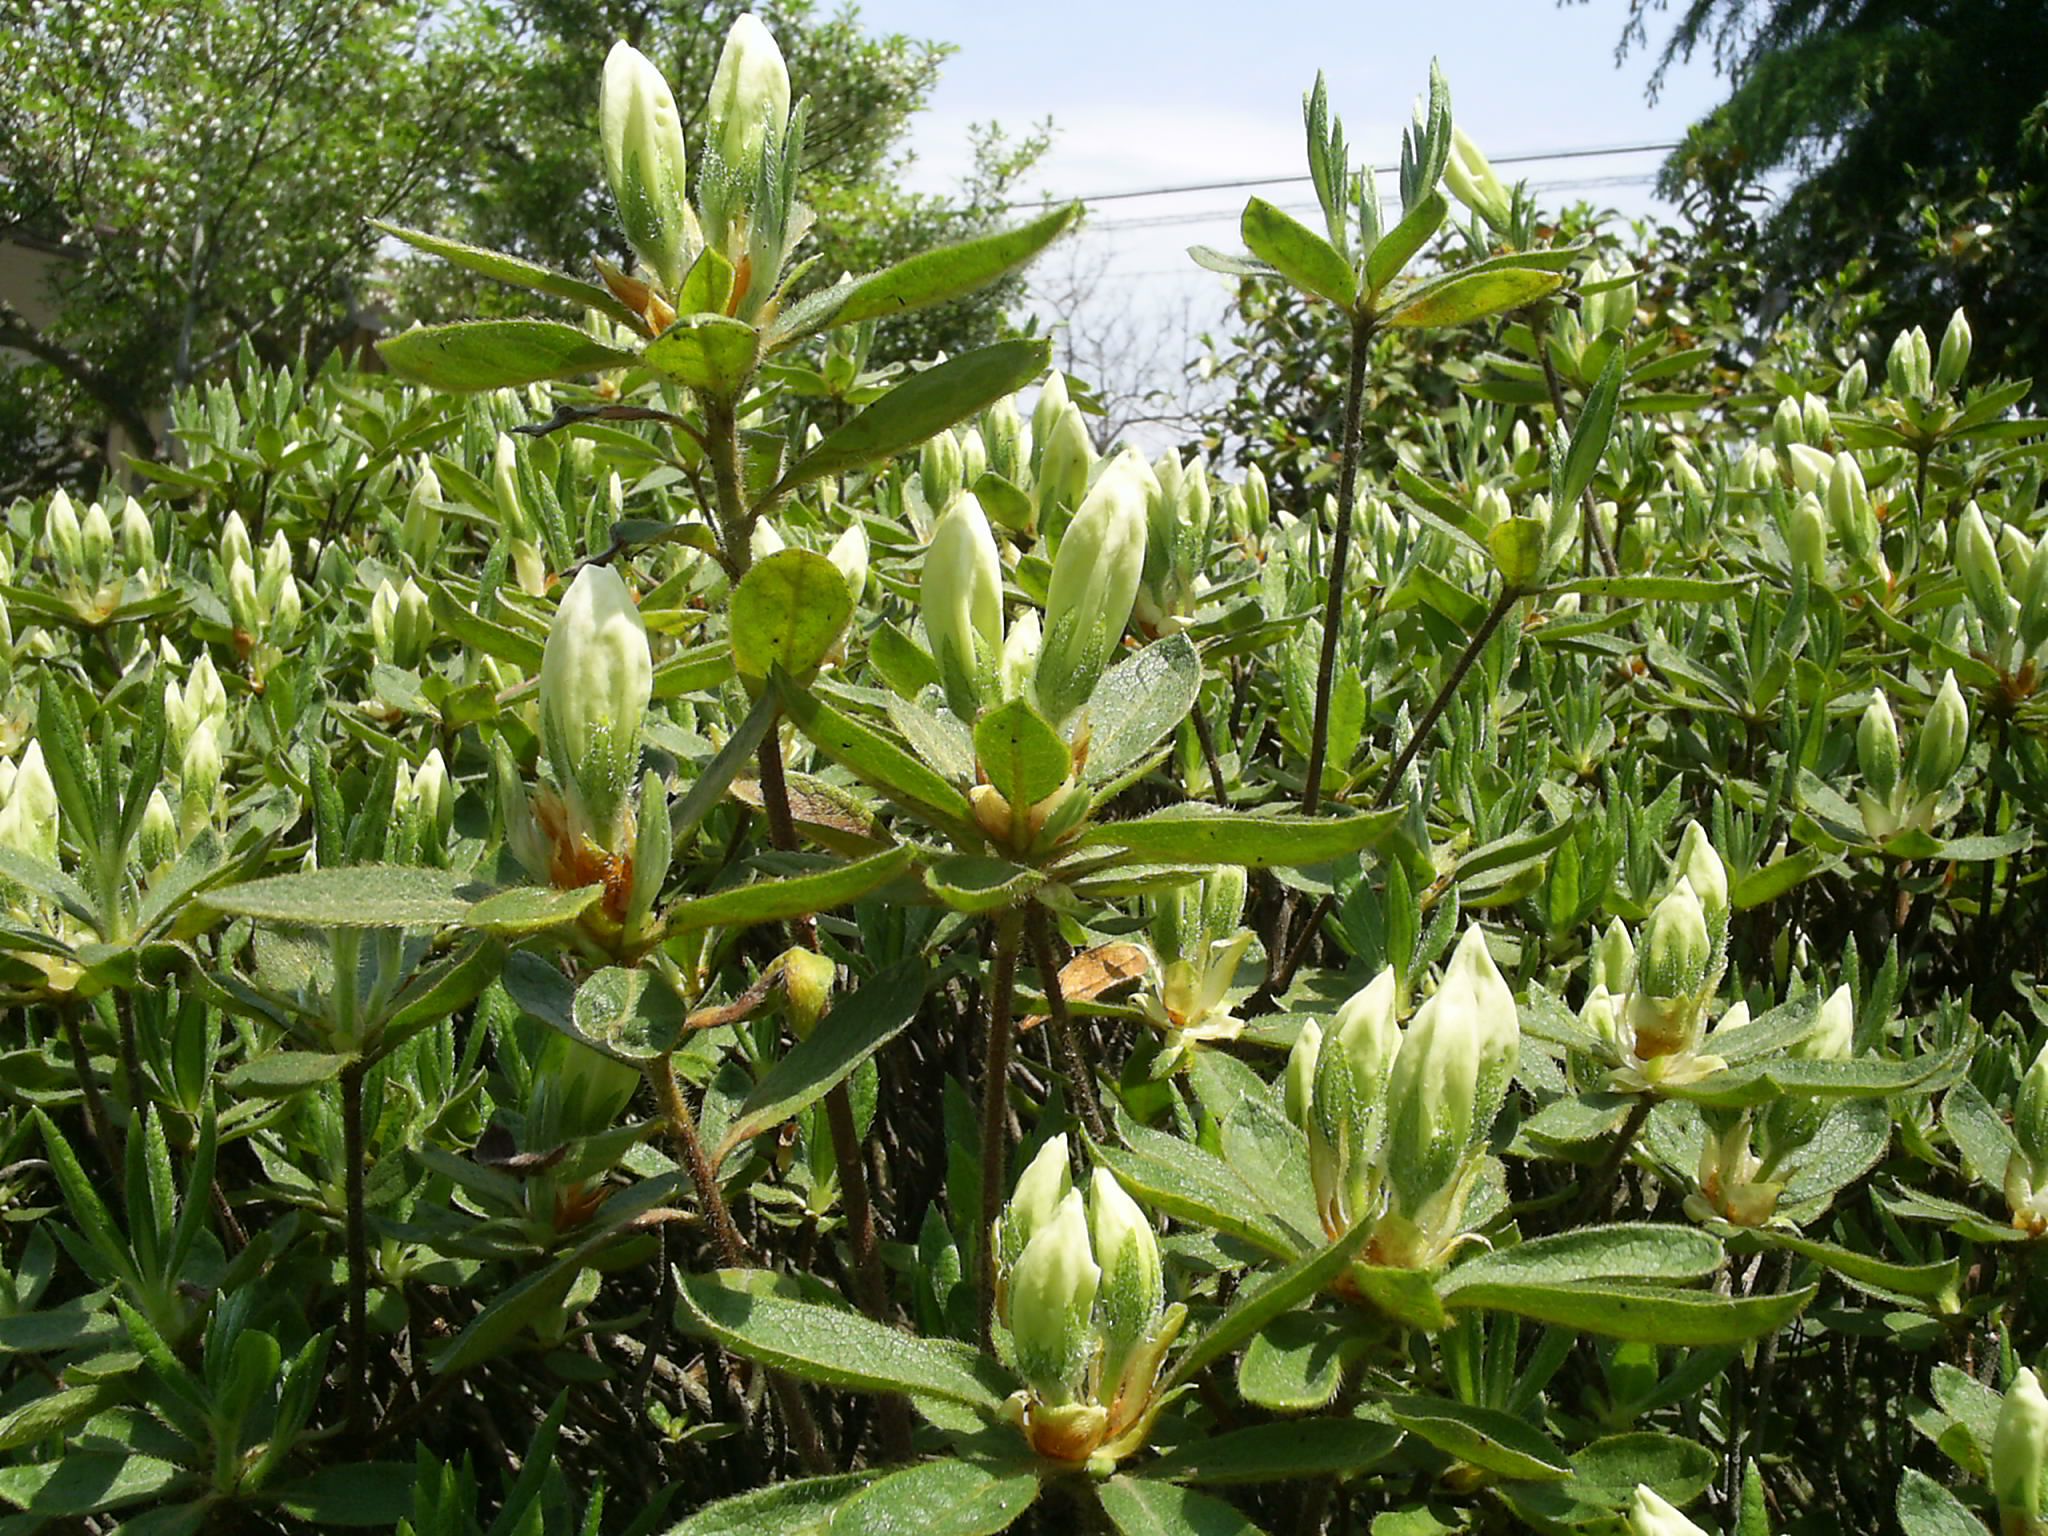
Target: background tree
x,y
529,184
206,168
1914,134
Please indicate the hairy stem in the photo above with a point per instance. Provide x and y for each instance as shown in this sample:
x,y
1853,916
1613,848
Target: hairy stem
x,y
1340,556
1502,606
1080,1076
357,1248
1218,791
995,1081
732,1248
1599,1191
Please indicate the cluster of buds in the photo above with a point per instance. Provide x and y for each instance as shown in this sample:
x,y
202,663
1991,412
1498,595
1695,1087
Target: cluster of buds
x,y
2006,581
401,624
1180,515
1062,456
423,807
1090,597
1913,371
596,682
263,599
1649,1000
2026,1172
1081,1291
1748,1159
1610,300
419,532
1094,586
1897,795
745,210
88,555
1398,1121
201,703
2019,1457
1198,939
1802,419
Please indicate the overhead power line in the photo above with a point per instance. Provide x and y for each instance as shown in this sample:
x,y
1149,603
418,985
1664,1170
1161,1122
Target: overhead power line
x,y
1220,215
1588,153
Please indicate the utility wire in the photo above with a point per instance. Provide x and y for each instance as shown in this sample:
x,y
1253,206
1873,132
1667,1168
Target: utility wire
x,y
1220,215
1587,153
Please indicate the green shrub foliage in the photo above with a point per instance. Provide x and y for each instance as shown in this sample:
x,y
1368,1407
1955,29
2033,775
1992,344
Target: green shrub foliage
x,y
643,926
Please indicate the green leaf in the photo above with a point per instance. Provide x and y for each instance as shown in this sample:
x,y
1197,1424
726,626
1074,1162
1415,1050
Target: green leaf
x,y
1273,1453
1646,1313
772,901
474,355
1397,247
834,1346
529,909
1298,253
1663,589
1936,1282
629,1014
739,749
1181,1179
788,611
515,270
1928,1509
1203,834
975,883
86,1482
946,1497
711,354
856,1028
354,896
1589,434
1610,1468
1487,1438
1467,296
1260,1301
280,1074
357,1493
1022,756
1630,1251
1147,1508
930,277
921,407
802,1508
1139,703
1295,1364
879,762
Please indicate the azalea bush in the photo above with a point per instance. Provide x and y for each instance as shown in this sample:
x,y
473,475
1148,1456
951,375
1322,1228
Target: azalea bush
x,y
644,926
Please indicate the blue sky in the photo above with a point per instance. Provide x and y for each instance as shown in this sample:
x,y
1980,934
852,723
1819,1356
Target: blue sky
x,y
1150,94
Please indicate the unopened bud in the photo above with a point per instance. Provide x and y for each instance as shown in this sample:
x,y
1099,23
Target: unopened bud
x,y
1051,1295
1877,748
645,163
1093,588
596,680
2019,1454
1983,577
1677,947
156,843
1955,353
1651,1514
1133,1287
961,599
1450,1077
1943,741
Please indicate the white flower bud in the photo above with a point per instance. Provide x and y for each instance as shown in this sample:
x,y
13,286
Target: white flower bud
x,y
645,163
1093,588
596,680
1051,1295
962,603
